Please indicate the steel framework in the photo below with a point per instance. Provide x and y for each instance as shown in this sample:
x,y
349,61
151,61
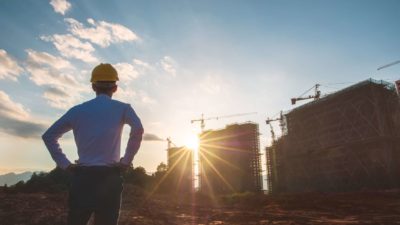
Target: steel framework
x,y
229,159
345,141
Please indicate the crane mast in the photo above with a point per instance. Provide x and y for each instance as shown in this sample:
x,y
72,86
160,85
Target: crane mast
x,y
268,122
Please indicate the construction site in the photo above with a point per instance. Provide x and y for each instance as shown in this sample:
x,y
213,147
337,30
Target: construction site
x,y
229,159
180,176
345,141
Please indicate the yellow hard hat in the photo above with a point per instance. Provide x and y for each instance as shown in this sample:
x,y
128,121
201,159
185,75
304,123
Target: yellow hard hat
x,y
104,72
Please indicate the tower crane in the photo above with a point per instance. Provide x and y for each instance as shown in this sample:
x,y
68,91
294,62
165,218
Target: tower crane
x,y
388,65
317,94
170,143
268,122
202,119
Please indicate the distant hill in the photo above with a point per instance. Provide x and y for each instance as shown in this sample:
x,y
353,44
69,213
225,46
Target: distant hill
x,y
13,178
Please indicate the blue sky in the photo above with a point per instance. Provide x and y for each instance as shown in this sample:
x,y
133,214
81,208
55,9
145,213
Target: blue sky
x,y
178,59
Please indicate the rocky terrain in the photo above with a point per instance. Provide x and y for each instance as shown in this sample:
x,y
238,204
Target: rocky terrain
x,y
139,207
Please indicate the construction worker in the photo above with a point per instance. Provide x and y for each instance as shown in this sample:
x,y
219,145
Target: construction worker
x,y
96,183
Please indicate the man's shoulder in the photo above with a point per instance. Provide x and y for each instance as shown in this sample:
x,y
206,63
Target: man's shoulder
x,y
93,103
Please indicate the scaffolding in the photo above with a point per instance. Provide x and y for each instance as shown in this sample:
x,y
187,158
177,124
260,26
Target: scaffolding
x,y
345,141
229,159
180,172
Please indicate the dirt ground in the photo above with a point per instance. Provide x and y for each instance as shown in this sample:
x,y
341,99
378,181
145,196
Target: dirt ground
x,y
366,207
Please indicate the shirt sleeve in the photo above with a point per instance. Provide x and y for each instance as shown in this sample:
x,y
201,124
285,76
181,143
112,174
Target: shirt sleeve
x,y
135,136
51,136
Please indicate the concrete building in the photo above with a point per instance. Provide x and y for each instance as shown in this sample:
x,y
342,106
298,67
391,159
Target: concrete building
x,y
348,140
229,159
180,172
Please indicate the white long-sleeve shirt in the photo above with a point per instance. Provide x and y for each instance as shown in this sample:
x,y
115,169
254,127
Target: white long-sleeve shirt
x,y
97,126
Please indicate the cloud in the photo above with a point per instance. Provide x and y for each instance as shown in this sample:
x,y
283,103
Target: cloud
x,y
45,58
71,47
53,73
60,6
9,68
101,33
15,119
46,69
142,64
59,98
211,84
152,137
145,98
130,71
169,65
126,71
126,94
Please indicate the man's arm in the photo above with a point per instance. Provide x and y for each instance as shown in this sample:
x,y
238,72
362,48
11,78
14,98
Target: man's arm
x,y
51,136
135,137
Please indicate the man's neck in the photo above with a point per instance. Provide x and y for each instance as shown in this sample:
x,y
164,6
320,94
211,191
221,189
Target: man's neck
x,y
107,94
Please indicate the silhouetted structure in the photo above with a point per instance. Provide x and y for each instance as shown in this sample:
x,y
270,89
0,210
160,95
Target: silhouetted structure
x,y
180,172
345,141
230,159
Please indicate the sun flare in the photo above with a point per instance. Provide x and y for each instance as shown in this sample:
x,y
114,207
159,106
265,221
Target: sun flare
x,y
192,142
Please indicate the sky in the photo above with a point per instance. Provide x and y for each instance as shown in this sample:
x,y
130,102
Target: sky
x,y
179,59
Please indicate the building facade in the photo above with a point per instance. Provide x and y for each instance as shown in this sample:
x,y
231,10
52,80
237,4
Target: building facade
x,y
345,141
229,159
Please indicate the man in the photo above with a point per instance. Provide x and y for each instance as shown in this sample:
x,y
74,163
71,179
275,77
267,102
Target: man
x,y
97,124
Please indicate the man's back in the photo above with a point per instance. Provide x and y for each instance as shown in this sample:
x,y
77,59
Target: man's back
x,y
97,125
96,183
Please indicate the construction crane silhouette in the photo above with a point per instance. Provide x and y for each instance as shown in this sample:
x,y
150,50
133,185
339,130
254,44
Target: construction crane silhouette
x,y
268,122
202,119
389,65
317,94
170,143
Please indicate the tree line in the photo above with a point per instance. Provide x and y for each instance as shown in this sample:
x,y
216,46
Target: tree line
x,y
58,180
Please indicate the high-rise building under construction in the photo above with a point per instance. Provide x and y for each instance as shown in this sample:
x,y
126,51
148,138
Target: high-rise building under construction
x,y
229,159
180,172
348,140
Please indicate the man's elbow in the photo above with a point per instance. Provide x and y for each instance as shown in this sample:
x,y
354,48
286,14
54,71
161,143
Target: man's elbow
x,y
140,130
46,137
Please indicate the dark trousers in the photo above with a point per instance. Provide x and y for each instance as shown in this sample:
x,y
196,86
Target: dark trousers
x,y
95,189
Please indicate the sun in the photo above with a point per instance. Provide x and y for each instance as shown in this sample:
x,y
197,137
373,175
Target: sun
x,y
192,142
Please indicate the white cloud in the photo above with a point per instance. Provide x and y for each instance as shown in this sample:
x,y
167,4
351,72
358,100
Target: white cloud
x,y
60,6
125,94
9,68
211,84
71,47
145,98
130,71
169,65
53,73
140,63
12,109
128,95
15,119
59,97
48,59
126,71
101,33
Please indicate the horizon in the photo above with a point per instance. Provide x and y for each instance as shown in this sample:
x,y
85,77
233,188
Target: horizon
x,y
179,60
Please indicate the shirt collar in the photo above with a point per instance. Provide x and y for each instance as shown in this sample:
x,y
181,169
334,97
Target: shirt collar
x,y
103,96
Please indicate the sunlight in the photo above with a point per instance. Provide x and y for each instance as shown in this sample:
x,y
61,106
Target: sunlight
x,y
192,142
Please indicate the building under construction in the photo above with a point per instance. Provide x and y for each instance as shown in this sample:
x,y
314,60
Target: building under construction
x,y
348,140
180,172
229,159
